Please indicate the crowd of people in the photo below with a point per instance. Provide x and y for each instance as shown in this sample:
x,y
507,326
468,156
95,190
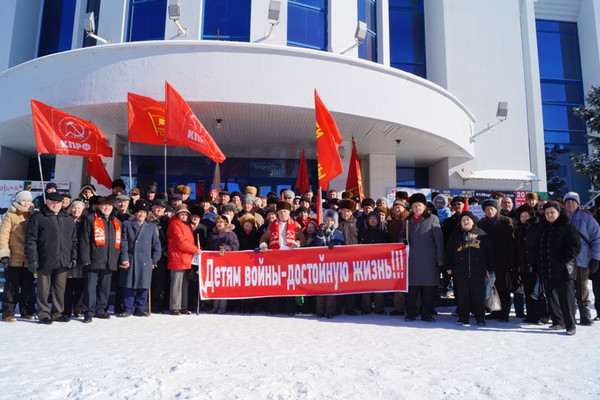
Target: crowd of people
x,y
541,254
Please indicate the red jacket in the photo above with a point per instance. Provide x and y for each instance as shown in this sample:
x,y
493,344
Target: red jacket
x,y
180,242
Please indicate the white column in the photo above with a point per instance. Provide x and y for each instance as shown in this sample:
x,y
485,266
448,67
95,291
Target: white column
x,y
379,174
70,169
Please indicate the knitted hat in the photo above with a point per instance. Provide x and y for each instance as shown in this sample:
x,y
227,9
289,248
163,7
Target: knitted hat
x,y
228,207
470,215
417,197
489,203
51,185
23,195
571,196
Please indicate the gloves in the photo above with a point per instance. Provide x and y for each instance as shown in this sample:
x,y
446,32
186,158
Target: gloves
x,y
72,264
330,245
257,250
33,267
294,245
593,266
4,261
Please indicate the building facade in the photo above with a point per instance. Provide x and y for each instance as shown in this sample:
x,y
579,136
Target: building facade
x,y
420,95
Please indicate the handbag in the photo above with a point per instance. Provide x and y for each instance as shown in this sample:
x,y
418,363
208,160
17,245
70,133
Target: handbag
x,y
513,281
492,302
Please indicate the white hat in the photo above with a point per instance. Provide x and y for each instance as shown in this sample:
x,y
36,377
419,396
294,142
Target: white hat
x,y
22,195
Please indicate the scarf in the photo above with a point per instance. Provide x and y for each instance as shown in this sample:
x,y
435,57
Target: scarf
x,y
100,235
290,234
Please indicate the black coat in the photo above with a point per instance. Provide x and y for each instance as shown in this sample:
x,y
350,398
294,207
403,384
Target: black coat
x,y
99,257
558,245
501,233
469,253
371,235
526,242
51,240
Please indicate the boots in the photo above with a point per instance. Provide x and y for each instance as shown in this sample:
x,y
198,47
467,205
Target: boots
x,y
585,316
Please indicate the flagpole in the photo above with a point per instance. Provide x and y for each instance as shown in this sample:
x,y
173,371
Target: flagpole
x,y
165,151
42,177
129,155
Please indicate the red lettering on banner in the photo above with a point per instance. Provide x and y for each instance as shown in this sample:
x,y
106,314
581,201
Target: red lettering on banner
x,y
305,271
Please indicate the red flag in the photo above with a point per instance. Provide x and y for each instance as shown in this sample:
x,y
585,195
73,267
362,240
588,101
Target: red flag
x,y
328,143
354,181
184,129
302,183
96,169
146,119
57,132
466,206
319,207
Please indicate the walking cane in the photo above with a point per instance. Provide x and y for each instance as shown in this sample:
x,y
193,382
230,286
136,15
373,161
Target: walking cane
x,y
149,301
199,277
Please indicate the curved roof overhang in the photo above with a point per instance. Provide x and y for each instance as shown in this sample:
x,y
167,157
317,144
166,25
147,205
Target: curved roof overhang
x,y
262,93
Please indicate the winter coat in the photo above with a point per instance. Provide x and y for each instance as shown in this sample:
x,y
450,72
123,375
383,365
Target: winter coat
x,y
99,257
249,241
180,241
450,225
426,254
12,235
51,240
329,236
77,271
500,231
589,232
227,239
370,235
161,225
141,247
469,253
394,226
444,212
558,246
526,242
349,230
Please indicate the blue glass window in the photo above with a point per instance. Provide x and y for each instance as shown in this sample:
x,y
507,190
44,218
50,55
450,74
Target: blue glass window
x,y
562,89
56,33
407,36
367,12
147,20
307,24
227,20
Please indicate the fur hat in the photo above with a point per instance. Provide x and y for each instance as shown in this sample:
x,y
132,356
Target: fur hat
x,y
141,205
417,197
531,196
283,205
571,196
54,196
118,183
88,186
272,200
248,198
289,193
489,203
23,195
248,217
184,189
497,195
251,190
348,204
401,194
524,208
368,202
106,200
196,210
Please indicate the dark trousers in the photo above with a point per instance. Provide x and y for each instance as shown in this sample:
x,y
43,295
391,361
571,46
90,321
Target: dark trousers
x,y
561,300
368,300
469,297
74,296
529,280
96,291
273,304
51,281
427,296
134,299
118,306
325,304
596,289
16,278
160,287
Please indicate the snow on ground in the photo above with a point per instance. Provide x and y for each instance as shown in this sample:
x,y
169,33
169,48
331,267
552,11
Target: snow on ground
x,y
235,356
